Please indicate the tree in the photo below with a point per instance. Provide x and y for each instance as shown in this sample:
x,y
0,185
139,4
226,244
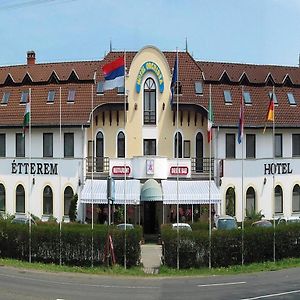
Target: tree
x,y
73,208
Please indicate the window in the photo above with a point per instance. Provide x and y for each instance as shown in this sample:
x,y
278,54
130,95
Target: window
x,y
296,144
187,149
99,152
121,90
20,199
296,198
199,153
198,88
5,97
178,145
20,145
247,98
250,146
150,147
2,145
51,96
100,89
149,102
178,87
274,97
230,202
230,145
227,96
2,197
69,145
47,201
121,145
278,199
250,201
24,97
278,145
48,145
291,98
68,196
71,96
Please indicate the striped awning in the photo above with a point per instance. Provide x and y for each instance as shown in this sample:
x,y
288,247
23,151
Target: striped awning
x,y
151,191
96,191
190,192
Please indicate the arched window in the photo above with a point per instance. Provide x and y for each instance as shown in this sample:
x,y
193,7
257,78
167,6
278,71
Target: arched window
x,y
47,201
296,198
68,196
278,199
178,139
149,102
20,199
121,144
230,202
2,197
250,201
199,152
99,152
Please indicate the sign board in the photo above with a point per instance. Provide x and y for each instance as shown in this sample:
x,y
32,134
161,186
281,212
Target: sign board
x,y
120,170
180,170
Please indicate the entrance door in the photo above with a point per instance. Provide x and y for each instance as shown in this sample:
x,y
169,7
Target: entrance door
x,y
199,153
149,217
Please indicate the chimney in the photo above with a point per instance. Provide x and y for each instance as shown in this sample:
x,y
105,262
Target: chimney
x,y
30,57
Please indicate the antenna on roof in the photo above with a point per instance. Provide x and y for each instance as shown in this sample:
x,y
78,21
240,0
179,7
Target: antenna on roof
x,y
186,45
110,45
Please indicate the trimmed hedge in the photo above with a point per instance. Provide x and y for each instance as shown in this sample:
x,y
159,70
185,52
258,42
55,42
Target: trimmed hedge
x,y
226,246
71,246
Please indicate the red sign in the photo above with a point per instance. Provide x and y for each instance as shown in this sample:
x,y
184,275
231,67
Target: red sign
x,y
179,170
120,170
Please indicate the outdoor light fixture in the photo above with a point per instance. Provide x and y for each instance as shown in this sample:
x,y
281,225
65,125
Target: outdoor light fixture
x,y
265,180
79,182
33,180
163,106
135,106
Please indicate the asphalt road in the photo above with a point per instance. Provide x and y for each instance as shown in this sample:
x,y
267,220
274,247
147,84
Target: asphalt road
x,y
16,284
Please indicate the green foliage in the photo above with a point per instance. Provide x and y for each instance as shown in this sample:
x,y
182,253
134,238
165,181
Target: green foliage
x,y
70,246
73,208
253,215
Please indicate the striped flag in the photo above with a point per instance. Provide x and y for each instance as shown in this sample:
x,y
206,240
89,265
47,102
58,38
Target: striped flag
x,y
210,122
241,122
114,74
270,113
26,119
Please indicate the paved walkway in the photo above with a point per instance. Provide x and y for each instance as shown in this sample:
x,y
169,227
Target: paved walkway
x,y
151,258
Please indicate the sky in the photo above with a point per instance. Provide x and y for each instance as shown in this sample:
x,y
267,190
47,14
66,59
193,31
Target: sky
x,y
246,31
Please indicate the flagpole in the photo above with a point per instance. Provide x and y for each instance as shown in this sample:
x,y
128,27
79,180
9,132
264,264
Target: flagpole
x,y
125,207
273,177
177,150
209,192
29,185
92,180
242,136
60,156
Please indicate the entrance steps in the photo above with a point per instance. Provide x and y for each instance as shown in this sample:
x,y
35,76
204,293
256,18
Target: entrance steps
x,y
151,258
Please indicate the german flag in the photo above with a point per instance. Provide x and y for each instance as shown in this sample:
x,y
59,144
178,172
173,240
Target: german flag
x,y
270,113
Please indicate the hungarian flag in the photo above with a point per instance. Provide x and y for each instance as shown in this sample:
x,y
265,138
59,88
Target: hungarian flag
x,y
114,74
26,119
270,113
210,122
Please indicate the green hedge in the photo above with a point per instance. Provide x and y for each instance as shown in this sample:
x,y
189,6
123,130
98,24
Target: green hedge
x,y
71,246
226,246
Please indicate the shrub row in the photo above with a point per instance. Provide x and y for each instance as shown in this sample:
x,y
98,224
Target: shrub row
x,y
227,246
72,245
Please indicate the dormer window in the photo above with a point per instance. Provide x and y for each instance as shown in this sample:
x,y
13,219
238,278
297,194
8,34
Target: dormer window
x,y
51,96
5,97
178,83
100,89
227,97
24,97
247,98
198,88
71,96
291,98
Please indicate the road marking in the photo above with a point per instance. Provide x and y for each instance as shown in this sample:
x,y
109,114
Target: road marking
x,y
272,295
221,284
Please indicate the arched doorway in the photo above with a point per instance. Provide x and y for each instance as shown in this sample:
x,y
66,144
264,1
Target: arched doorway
x,y
99,151
199,152
20,199
230,202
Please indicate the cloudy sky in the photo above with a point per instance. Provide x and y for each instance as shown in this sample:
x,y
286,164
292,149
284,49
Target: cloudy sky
x,y
247,31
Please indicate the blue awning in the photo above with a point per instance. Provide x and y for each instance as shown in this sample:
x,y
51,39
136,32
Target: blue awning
x,y
190,192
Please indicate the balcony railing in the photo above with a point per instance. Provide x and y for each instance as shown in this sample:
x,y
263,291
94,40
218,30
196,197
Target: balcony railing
x,y
97,164
200,166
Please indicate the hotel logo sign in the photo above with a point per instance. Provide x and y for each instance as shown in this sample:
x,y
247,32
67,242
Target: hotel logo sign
x,y
278,168
181,171
120,170
149,66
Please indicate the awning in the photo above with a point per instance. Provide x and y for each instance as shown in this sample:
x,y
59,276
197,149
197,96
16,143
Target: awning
x,y
151,191
190,192
96,191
